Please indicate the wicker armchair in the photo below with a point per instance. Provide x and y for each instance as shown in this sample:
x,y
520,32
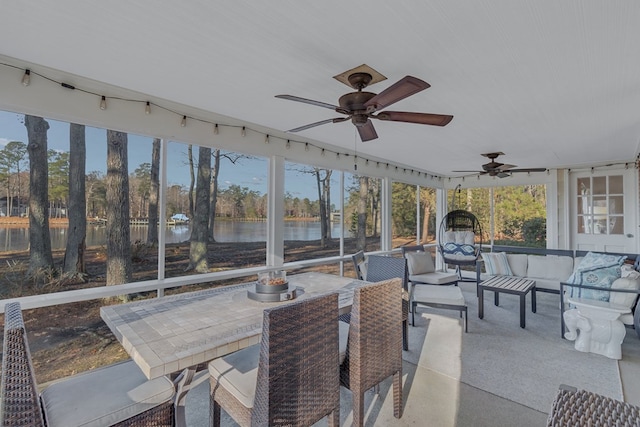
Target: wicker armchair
x,y
292,377
573,407
374,350
117,395
381,268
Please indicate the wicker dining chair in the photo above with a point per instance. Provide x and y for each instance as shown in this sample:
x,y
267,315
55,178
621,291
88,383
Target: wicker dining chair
x,y
359,265
573,407
374,349
116,395
380,268
291,378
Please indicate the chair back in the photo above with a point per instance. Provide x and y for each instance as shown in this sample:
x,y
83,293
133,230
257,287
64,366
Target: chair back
x,y
298,369
374,349
19,399
359,265
381,267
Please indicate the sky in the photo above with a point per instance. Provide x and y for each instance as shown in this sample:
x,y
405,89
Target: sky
x,y
249,172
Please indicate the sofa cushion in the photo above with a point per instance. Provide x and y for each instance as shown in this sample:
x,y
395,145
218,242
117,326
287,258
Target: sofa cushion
x,y
420,263
625,299
435,278
551,267
518,264
496,263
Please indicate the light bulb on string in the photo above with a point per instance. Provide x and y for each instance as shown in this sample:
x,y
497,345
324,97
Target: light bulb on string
x,y
243,131
183,123
147,108
26,78
215,129
103,103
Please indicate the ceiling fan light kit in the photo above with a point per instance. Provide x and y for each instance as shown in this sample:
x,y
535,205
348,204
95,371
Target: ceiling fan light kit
x,y
360,106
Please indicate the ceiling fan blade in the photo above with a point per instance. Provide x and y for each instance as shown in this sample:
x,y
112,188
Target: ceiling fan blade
x,y
528,170
480,172
367,131
307,101
505,167
402,89
321,122
420,118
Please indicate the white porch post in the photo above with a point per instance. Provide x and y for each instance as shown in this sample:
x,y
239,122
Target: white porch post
x,y
441,211
275,216
386,238
162,212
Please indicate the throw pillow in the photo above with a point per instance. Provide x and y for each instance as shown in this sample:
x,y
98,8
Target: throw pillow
x,y
598,270
420,263
496,263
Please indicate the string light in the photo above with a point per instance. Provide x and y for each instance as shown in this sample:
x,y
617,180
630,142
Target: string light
x,y
26,78
266,139
26,81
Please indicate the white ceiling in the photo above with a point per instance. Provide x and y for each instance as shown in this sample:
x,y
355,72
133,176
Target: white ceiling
x,y
550,83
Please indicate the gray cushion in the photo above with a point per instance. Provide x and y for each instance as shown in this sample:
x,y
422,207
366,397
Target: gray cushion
x,y
518,264
552,267
103,397
238,373
451,295
435,278
420,263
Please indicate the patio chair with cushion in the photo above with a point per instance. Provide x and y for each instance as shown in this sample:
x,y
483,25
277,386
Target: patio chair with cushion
x,y
426,284
291,377
116,395
380,268
373,349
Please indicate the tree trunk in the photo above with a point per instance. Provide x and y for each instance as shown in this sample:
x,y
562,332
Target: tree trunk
x,y
323,212
361,233
40,257
214,194
200,225
74,263
425,224
154,195
119,269
192,179
326,184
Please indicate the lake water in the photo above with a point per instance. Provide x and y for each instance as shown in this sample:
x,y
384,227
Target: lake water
x,y
17,239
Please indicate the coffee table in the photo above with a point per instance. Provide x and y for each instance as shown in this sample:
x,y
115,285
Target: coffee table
x,y
508,285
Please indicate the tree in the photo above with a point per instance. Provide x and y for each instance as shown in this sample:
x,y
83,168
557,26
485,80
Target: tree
x,y
58,181
73,263
96,189
192,179
428,202
200,225
142,175
119,269
12,158
214,194
40,257
361,236
154,194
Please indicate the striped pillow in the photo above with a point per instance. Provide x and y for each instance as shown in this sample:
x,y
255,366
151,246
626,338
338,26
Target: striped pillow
x,y
496,263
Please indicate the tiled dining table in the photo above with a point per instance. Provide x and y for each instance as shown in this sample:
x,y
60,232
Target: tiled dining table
x,y
179,333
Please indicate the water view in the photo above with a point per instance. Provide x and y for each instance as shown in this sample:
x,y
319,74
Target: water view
x,y
17,239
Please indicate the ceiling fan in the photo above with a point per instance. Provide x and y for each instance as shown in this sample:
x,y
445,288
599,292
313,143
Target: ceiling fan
x,y
500,170
361,106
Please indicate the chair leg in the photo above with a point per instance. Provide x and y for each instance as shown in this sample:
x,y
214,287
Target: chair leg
x,y
358,408
215,414
334,418
397,394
